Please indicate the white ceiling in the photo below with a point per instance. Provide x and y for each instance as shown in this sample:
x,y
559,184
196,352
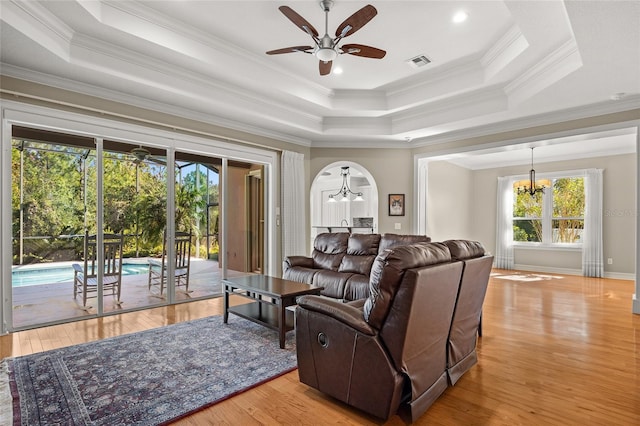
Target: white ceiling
x,y
614,142
512,64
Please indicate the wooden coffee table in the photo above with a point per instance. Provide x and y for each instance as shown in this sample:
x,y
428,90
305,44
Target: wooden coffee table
x,y
271,296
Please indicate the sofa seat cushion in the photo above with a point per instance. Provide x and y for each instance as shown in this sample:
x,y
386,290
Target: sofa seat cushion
x,y
332,281
357,287
300,274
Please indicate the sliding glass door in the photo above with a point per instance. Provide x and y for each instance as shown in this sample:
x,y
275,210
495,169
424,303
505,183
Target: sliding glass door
x,y
59,249
101,220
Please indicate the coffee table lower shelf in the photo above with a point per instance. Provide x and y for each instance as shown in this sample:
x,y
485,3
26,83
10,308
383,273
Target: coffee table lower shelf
x,y
264,314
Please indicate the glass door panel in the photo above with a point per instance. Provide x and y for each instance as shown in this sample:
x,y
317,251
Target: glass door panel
x,y
52,204
197,217
134,207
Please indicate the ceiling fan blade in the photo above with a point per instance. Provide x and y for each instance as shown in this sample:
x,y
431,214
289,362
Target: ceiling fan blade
x,y
362,50
290,50
298,20
325,67
356,21
158,160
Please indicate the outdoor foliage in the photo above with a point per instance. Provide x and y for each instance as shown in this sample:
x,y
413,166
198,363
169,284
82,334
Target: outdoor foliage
x,y
59,186
568,200
528,207
568,209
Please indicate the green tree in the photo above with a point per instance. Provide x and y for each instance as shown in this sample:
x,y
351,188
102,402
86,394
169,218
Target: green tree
x,y
529,208
568,200
568,208
51,206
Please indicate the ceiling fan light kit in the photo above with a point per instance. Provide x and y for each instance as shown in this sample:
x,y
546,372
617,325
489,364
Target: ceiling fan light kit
x,y
326,54
327,48
140,153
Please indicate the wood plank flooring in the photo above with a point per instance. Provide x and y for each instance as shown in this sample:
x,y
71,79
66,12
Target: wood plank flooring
x,y
556,350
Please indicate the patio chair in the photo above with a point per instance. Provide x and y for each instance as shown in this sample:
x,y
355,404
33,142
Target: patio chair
x,y
158,268
85,276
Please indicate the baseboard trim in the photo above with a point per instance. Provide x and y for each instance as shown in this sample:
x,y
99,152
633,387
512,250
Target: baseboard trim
x,y
537,268
620,276
567,271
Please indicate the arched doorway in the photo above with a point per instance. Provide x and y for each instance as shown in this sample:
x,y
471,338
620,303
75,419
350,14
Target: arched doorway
x,y
346,215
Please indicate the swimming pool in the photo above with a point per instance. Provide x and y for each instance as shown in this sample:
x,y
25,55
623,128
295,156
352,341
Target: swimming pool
x,y
61,274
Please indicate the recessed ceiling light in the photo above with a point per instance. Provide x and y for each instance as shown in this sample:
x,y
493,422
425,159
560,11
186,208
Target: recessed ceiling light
x,y
337,70
460,16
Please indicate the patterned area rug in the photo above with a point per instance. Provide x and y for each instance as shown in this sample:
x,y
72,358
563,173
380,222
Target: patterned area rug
x,y
146,378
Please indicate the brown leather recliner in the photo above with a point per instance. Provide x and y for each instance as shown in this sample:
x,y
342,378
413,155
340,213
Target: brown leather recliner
x,y
390,351
468,311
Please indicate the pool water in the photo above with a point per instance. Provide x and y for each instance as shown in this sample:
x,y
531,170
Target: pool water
x,y
53,275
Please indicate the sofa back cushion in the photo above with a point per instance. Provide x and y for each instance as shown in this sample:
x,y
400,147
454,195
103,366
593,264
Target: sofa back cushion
x,y
363,244
388,271
388,241
357,264
328,250
465,249
361,252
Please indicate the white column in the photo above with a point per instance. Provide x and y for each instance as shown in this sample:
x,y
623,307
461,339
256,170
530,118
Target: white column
x,y
100,222
420,189
636,296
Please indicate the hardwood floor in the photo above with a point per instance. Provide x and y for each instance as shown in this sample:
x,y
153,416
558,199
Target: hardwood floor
x,y
556,350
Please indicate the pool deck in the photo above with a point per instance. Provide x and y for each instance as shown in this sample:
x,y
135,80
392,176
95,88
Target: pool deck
x,y
47,303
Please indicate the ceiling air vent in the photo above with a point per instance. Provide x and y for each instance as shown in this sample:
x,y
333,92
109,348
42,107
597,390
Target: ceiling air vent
x,y
419,61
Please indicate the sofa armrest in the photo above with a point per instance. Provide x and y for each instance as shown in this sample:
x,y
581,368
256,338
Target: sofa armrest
x,y
346,314
303,261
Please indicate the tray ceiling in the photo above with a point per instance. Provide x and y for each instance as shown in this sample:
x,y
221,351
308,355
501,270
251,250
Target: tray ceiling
x,y
511,63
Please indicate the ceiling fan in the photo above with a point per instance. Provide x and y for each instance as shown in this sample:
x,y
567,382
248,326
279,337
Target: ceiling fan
x,y
142,154
326,48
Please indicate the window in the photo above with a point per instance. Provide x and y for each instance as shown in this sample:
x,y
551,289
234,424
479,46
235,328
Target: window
x,y
553,217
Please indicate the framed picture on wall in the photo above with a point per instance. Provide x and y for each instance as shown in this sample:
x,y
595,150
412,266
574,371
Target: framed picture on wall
x,y
396,204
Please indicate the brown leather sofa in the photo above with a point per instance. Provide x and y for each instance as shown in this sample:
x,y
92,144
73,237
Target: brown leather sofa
x,y
341,262
398,351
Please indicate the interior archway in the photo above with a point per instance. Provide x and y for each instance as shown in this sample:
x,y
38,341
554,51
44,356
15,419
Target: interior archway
x,y
345,216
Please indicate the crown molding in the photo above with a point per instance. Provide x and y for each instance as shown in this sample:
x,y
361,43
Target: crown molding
x,y
476,103
178,81
556,65
138,102
503,52
582,112
602,108
141,21
35,21
372,101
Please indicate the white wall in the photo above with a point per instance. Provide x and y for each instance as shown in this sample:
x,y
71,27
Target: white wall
x,y
449,201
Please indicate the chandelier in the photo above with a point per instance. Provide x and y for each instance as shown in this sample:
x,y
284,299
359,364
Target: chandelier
x,y
531,186
344,190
